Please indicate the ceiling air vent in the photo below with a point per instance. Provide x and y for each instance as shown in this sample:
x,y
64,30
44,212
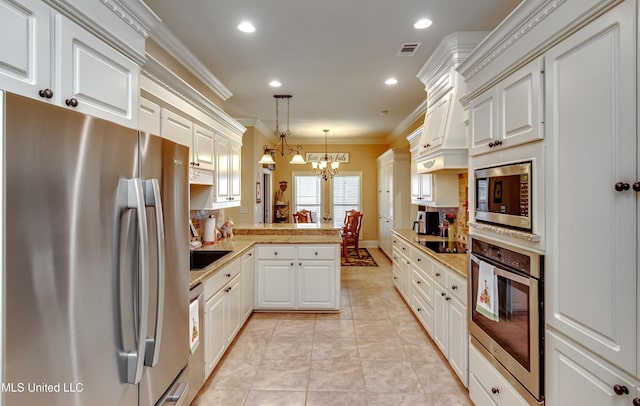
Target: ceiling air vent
x,y
409,48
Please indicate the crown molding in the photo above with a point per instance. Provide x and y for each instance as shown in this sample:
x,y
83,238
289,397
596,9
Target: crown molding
x,y
170,43
170,81
260,126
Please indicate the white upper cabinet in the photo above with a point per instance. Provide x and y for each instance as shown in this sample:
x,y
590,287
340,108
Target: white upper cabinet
x,y
47,56
435,125
149,117
25,56
202,148
508,114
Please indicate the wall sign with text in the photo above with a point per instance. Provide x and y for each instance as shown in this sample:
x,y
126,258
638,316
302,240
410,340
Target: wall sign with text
x,y
342,157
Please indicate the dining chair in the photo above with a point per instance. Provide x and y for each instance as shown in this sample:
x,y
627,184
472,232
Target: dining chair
x,y
302,216
351,232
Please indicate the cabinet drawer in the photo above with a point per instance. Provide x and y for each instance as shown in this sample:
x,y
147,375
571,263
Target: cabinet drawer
x,y
276,252
423,284
317,252
220,278
421,260
489,379
400,245
457,287
422,310
440,274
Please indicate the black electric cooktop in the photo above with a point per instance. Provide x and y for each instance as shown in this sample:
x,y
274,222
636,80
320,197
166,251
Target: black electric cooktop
x,y
445,247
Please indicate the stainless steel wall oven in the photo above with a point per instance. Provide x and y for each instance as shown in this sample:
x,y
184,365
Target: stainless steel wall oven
x,y
506,314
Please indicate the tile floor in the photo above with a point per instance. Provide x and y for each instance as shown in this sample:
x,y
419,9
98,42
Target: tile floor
x,y
373,353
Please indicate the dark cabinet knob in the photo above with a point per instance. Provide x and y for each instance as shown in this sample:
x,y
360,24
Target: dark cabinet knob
x,y
419,309
418,260
418,282
275,253
490,144
395,277
447,298
495,390
636,402
498,142
46,93
636,186
228,275
443,294
620,186
620,390
72,102
437,273
454,287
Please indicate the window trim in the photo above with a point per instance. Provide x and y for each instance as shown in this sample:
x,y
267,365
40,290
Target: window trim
x,y
331,189
294,202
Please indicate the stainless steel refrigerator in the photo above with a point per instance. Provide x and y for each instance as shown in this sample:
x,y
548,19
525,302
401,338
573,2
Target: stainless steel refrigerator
x,y
96,267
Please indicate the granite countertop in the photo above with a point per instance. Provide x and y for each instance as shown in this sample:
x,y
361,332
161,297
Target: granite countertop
x,y
239,244
286,229
456,262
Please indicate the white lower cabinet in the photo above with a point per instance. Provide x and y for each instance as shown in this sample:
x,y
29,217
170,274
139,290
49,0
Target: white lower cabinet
x,y
582,378
223,312
293,277
247,275
437,296
487,387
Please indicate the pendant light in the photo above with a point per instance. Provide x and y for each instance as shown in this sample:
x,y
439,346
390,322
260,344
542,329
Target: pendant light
x,y
325,169
267,158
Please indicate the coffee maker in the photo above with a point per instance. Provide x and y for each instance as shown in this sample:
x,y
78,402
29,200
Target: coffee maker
x,y
427,223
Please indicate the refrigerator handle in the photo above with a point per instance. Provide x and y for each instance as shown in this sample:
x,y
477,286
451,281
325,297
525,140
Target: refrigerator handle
x,y
152,198
135,360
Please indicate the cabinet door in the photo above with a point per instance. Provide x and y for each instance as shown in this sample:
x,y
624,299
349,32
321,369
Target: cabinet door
x,y
521,105
233,309
149,117
591,268
214,334
483,121
439,121
275,285
440,316
25,57
248,264
234,172
405,278
103,82
202,148
426,187
176,128
576,377
458,338
317,285
222,169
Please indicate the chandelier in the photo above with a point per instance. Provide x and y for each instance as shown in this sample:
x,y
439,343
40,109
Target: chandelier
x,y
325,169
267,158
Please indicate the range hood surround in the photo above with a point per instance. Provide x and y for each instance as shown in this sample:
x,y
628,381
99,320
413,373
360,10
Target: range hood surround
x,y
442,146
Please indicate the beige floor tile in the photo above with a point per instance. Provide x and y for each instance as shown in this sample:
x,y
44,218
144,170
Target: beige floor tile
x,y
448,399
390,376
219,397
289,347
296,328
292,375
249,347
334,348
275,398
378,328
260,326
234,373
437,378
397,399
296,316
381,348
337,399
335,328
341,376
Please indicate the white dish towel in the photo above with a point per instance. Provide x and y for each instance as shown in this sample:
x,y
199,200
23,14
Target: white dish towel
x,y
487,301
194,325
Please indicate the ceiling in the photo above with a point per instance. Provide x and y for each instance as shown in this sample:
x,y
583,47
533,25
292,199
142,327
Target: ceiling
x,y
332,56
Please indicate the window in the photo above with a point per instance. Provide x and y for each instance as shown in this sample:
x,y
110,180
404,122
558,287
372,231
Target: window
x,y
307,194
345,195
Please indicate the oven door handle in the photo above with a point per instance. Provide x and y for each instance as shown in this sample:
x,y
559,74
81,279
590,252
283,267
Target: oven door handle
x,y
504,273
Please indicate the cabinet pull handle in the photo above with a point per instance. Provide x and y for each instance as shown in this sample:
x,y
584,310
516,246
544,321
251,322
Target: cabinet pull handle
x,y
620,390
46,93
495,390
621,186
418,282
275,253
419,309
490,144
454,287
447,298
636,402
228,275
437,273
636,186
72,102
443,294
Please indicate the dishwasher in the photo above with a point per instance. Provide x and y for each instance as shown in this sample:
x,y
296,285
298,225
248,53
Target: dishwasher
x,y
196,329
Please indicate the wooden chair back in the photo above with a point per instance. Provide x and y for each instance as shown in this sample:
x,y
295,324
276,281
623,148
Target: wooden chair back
x,y
302,216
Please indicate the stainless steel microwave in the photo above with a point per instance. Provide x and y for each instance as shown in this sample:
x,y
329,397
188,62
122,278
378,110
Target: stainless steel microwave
x,y
503,195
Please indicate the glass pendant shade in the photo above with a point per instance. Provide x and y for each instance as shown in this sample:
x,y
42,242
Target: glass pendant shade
x,y
266,159
297,160
282,144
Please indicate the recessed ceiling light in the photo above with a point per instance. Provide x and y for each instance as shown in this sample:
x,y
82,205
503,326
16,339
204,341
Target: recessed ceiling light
x,y
391,81
246,26
275,83
422,24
